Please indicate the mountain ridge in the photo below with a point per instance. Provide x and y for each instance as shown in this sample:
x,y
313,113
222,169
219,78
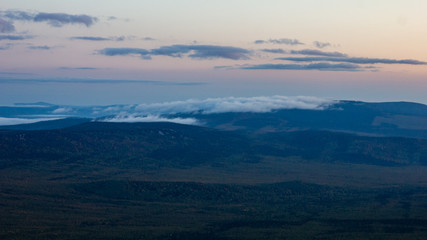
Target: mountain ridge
x,y
405,119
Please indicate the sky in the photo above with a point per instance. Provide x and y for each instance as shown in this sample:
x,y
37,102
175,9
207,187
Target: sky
x,y
149,51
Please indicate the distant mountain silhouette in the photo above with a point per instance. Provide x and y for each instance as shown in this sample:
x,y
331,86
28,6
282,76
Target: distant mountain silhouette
x,y
377,119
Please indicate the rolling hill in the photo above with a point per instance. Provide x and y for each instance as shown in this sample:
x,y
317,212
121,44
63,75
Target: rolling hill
x,y
355,171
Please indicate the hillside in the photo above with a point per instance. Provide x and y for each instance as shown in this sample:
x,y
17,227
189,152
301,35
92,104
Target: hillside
x,y
171,151
99,180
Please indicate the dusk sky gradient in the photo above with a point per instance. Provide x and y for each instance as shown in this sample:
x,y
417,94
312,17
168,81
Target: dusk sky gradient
x,y
122,52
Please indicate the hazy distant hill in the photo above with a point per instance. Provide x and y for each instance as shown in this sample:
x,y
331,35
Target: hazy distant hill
x,y
379,119
48,125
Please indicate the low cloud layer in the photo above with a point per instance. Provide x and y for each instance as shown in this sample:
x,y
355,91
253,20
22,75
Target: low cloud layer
x,y
313,66
131,118
286,41
234,104
355,60
62,110
192,51
16,121
163,112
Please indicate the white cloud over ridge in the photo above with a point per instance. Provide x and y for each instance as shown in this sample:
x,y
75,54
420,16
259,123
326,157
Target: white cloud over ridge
x,y
15,121
62,110
166,111
160,112
235,104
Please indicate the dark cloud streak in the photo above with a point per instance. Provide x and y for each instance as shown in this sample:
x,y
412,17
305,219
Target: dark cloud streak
x,y
88,38
59,19
286,41
53,19
78,68
203,51
321,44
6,26
209,52
91,38
315,52
125,51
312,66
355,60
171,51
18,15
39,47
15,37
276,50
194,51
